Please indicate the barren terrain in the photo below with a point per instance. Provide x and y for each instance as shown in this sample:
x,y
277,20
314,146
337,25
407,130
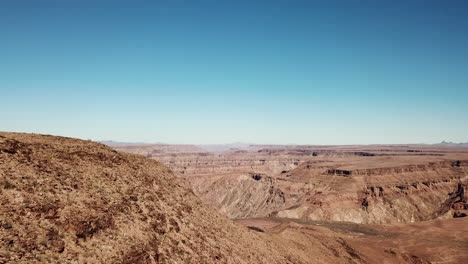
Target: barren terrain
x,y
360,184
71,201
66,200
407,200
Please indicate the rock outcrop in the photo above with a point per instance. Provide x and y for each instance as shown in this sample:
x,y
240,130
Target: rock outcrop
x,y
240,196
395,194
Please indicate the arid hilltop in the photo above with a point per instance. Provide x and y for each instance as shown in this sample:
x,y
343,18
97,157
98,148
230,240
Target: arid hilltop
x,y
71,201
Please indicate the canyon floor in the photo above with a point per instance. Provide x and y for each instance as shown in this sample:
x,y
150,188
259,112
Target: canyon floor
x,y
66,200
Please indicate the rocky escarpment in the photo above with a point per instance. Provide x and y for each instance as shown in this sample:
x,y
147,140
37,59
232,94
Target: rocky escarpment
x,y
371,184
188,161
423,167
457,202
212,164
407,193
240,196
192,160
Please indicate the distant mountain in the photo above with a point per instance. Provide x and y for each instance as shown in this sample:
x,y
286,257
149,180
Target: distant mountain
x,y
452,144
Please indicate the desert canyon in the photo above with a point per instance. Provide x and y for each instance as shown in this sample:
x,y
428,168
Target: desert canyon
x,y
65,200
400,203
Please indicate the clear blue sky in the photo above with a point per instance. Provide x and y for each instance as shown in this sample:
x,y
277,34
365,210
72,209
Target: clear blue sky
x,y
306,72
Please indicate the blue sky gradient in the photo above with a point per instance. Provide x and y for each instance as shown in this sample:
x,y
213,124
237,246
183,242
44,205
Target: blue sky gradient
x,y
304,72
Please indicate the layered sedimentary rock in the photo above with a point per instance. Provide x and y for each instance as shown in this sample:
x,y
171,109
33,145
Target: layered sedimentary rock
x,y
386,194
362,184
237,162
240,196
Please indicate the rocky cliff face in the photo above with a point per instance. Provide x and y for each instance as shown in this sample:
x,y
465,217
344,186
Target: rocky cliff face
x,y
212,164
240,196
361,184
456,203
369,189
407,193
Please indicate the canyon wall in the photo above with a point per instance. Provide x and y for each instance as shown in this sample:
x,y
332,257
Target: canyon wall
x,y
361,184
379,195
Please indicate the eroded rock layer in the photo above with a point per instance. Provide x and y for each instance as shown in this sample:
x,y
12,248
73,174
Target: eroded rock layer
x,y
407,193
240,196
362,184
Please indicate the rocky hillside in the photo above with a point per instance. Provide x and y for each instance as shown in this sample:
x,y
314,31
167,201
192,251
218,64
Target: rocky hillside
x,y
65,200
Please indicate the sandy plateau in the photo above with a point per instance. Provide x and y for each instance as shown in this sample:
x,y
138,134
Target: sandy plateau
x,y
65,200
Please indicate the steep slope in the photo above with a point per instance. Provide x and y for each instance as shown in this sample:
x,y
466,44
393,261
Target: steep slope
x,y
65,200
240,196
